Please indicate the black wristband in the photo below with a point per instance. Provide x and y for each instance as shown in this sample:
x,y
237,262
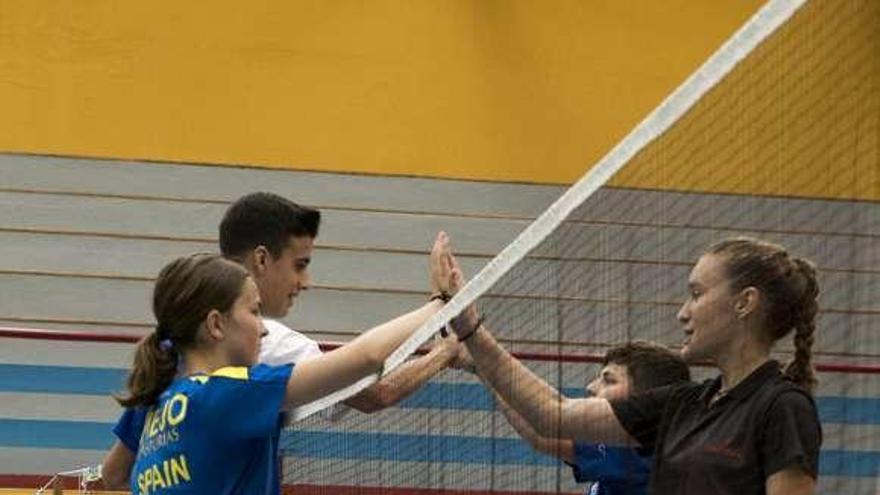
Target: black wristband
x,y
442,295
473,330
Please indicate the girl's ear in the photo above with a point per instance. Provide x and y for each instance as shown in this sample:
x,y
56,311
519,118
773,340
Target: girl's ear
x,y
215,325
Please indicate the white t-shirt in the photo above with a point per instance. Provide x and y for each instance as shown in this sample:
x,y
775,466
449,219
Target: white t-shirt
x,y
284,345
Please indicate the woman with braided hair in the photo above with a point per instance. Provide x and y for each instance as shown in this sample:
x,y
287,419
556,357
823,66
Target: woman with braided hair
x,y
752,430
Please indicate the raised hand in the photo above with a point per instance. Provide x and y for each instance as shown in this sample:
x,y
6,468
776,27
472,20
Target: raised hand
x,y
440,274
468,321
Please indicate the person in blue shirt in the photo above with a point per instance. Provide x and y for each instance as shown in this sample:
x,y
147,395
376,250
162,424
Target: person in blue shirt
x,y
633,367
213,427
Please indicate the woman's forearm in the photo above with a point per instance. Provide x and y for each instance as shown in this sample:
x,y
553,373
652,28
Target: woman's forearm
x,y
550,413
534,399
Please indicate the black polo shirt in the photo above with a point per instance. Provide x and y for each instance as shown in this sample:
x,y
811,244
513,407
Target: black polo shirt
x,y
763,425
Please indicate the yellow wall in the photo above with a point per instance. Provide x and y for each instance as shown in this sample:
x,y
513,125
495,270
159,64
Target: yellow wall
x,y
498,90
799,117
508,90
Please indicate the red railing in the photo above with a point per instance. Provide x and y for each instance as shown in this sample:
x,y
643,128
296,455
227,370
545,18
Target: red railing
x,y
76,336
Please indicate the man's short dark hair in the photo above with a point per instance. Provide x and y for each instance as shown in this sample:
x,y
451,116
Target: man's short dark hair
x,y
649,365
265,219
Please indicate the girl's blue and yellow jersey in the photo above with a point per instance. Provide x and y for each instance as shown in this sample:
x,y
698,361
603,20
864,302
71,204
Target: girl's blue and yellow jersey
x,y
213,434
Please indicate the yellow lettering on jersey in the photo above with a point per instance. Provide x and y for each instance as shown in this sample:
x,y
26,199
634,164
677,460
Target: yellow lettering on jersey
x,y
157,422
143,482
166,474
158,480
165,471
179,470
171,413
148,425
178,402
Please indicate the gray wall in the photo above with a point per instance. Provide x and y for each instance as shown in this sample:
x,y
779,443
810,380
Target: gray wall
x,y
81,240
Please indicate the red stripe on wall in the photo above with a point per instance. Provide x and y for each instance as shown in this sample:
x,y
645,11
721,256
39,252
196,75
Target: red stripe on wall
x,y
34,334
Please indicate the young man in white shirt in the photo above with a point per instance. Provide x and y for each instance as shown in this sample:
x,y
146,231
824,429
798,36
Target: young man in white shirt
x,y
273,238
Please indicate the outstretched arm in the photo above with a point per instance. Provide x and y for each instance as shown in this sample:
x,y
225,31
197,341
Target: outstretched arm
x,y
406,379
558,447
543,407
319,376
322,375
549,412
116,467
410,376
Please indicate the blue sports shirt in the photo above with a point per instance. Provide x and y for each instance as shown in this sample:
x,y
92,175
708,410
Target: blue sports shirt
x,y
213,434
129,427
614,470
